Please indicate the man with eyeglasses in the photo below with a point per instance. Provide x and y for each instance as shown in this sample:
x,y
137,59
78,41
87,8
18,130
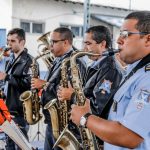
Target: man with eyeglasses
x,y
128,125
103,77
61,40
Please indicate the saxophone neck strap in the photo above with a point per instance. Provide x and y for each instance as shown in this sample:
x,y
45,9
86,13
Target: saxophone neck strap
x,y
14,62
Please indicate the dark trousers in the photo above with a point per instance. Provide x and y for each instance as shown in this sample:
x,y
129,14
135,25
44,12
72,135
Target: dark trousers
x,y
10,144
49,139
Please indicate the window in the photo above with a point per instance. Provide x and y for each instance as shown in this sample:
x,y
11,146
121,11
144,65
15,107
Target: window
x,y
32,27
77,30
37,28
25,26
2,37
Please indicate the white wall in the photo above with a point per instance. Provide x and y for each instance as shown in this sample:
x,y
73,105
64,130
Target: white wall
x,y
5,14
50,12
53,13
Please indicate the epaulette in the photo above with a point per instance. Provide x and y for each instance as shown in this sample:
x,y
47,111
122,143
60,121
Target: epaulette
x,y
147,67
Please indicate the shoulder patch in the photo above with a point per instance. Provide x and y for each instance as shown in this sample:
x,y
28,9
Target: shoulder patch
x,y
147,67
142,99
105,86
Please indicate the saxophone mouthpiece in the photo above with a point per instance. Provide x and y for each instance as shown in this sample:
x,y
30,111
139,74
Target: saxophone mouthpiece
x,y
5,49
110,52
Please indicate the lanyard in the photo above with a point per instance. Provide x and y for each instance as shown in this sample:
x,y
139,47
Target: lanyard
x,y
14,62
141,64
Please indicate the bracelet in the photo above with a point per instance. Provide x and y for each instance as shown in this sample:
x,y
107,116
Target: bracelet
x,y
87,116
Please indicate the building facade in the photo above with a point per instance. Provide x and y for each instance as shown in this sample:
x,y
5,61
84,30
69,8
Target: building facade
x,y
40,16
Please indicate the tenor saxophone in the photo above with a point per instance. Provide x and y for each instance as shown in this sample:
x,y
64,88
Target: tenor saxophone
x,y
89,141
66,140
60,117
30,99
58,110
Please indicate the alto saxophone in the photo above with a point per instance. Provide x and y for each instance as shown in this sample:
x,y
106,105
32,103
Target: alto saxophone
x,y
60,117
57,114
88,139
66,140
30,99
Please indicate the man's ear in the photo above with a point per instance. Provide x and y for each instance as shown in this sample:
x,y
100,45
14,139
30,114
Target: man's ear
x,y
66,43
22,42
103,43
147,42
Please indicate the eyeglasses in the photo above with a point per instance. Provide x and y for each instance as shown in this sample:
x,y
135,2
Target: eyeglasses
x,y
125,34
52,42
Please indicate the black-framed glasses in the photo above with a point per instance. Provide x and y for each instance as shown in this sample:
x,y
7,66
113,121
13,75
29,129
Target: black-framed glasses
x,y
125,33
52,42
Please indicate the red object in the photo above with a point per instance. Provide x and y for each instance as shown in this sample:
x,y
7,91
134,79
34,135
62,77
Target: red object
x,y
40,92
4,113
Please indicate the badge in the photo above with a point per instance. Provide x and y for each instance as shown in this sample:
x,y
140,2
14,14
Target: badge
x,y
143,99
144,96
105,86
139,105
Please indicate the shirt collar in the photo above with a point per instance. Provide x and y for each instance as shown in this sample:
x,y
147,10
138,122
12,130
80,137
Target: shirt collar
x,y
97,61
62,57
131,66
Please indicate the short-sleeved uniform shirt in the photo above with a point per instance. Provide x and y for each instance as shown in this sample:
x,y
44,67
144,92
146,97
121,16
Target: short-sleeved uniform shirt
x,y
133,106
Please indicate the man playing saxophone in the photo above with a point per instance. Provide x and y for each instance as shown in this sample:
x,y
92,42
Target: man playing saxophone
x,y
127,126
61,46
17,79
103,77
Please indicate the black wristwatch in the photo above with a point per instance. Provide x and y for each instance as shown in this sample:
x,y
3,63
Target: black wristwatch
x,y
83,119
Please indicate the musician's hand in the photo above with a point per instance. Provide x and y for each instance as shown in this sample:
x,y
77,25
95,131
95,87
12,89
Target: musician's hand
x,y
37,83
2,75
65,93
78,111
4,113
7,53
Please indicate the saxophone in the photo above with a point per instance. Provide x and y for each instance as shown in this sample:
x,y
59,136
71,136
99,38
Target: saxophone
x,y
57,114
30,99
3,50
66,140
64,135
88,139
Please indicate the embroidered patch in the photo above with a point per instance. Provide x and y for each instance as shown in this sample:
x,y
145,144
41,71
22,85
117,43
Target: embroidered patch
x,y
139,105
105,86
144,97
